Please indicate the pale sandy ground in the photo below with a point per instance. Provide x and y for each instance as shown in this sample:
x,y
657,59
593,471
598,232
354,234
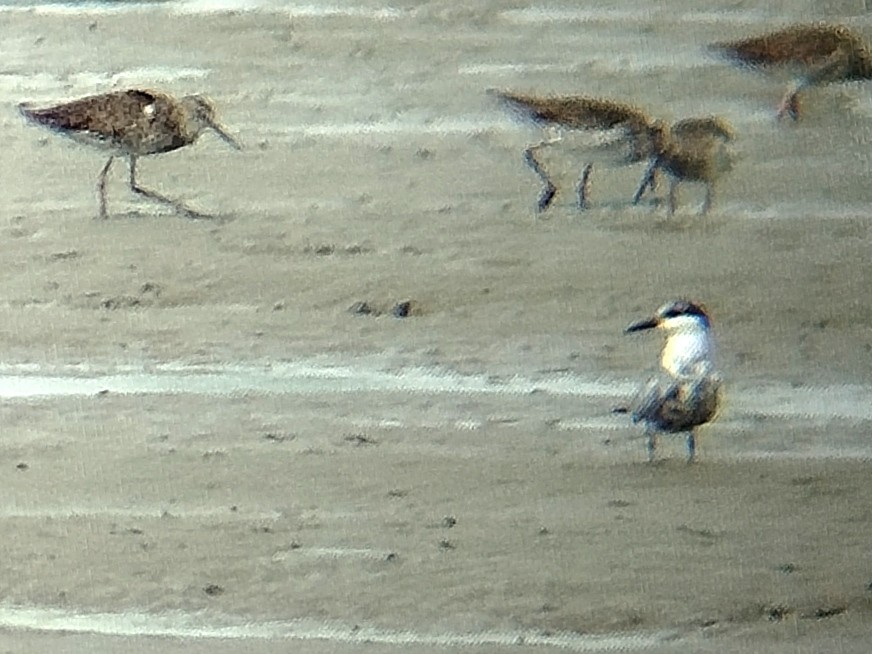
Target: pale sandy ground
x,y
328,510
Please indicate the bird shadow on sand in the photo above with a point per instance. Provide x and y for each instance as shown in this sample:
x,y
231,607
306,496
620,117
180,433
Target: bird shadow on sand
x,y
190,214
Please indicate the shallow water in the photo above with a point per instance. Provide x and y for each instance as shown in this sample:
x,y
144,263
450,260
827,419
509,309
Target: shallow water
x,y
192,626
852,402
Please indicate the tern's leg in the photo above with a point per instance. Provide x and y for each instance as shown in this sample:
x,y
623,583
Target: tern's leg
x,y
649,180
673,197
691,447
159,197
651,443
582,189
101,187
548,193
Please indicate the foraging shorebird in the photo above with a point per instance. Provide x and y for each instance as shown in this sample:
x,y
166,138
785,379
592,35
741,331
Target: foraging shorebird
x,y
694,149
815,54
622,131
132,123
686,392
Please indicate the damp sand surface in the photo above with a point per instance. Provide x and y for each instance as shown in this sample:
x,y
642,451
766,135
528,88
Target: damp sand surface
x,y
205,450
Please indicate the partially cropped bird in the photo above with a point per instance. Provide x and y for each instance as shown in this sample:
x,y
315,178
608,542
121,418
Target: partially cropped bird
x,y
815,54
686,393
132,123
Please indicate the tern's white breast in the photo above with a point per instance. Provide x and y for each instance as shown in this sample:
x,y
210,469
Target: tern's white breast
x,y
688,352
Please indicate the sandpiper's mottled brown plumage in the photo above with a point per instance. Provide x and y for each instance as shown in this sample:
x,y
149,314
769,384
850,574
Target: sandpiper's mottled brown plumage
x,y
693,149
624,128
132,123
817,54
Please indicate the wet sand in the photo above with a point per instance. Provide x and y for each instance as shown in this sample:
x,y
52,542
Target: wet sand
x,y
377,170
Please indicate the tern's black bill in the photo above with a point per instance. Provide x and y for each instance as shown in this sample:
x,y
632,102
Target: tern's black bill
x,y
648,323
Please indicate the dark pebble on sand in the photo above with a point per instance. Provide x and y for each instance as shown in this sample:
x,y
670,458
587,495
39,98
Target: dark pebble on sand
x,y
402,309
360,309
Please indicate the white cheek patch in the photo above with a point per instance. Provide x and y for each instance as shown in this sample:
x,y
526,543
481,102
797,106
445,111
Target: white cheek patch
x,y
148,110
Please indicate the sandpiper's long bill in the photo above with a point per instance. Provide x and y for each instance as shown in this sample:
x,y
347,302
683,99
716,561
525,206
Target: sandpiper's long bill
x,y
686,392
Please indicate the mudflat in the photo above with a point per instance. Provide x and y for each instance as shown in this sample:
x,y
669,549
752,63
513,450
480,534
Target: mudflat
x,y
378,171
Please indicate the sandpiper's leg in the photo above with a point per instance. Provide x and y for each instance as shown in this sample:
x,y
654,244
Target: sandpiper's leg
x,y
691,447
655,179
651,443
548,193
582,190
789,105
159,197
709,196
673,197
101,187
649,180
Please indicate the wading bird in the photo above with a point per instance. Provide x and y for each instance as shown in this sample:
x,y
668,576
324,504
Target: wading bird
x,y
815,54
686,392
132,123
620,134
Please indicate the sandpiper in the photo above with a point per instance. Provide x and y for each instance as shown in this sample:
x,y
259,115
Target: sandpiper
x,y
686,392
815,54
132,123
694,149
622,130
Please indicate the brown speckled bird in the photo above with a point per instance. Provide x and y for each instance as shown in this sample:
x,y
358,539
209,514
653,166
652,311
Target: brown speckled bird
x,y
132,123
694,149
816,54
623,131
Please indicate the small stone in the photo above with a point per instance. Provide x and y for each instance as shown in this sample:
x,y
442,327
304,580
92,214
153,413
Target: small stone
x,y
402,309
360,439
361,309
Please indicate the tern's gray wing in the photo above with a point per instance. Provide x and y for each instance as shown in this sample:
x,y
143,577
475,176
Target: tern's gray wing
x,y
649,399
670,403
